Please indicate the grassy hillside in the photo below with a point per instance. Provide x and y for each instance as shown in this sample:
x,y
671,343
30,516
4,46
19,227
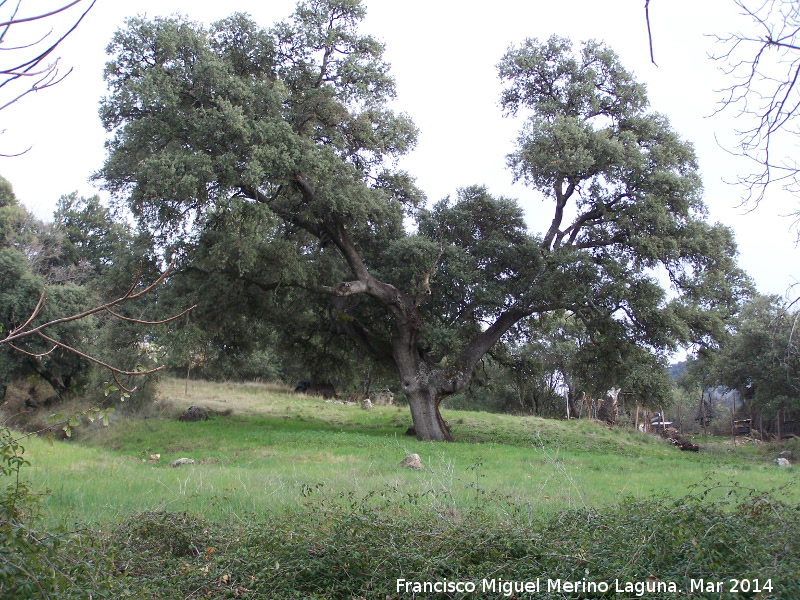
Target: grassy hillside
x,y
275,446
295,497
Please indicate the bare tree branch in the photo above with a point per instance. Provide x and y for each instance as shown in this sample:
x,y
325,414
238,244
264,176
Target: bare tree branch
x,y
31,354
24,331
14,20
649,32
21,332
764,66
35,312
114,370
34,68
140,322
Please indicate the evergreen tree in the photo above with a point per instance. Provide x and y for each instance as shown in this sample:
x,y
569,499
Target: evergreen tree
x,y
286,133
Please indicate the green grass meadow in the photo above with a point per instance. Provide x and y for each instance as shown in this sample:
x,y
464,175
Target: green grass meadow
x,y
274,446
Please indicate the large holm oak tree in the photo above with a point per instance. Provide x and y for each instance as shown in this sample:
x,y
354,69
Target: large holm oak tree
x,y
280,144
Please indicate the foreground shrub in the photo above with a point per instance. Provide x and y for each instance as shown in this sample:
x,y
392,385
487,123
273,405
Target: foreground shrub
x,y
40,563
349,547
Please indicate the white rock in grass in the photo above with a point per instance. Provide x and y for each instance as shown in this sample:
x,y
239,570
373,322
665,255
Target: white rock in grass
x,y
181,461
366,404
412,461
782,462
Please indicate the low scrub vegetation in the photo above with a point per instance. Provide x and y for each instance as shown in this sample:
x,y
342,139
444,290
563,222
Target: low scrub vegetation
x,y
344,546
348,546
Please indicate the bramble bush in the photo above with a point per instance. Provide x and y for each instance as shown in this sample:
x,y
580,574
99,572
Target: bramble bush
x,y
42,563
354,546
350,546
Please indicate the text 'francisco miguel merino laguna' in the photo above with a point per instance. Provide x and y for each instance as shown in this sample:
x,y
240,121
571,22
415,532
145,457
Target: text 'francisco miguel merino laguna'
x,y
508,588
637,588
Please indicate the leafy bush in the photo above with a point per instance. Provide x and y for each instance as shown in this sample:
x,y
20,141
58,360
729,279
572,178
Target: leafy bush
x,y
345,546
37,563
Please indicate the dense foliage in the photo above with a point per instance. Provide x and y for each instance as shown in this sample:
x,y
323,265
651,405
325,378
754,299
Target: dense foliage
x,y
85,257
760,358
30,260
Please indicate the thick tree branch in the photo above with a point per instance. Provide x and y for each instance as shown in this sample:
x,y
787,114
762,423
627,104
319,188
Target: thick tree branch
x,y
474,351
594,216
346,288
601,243
289,216
377,347
561,201
385,293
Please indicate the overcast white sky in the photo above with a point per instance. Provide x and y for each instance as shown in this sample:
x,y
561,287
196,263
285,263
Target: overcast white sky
x,y
443,54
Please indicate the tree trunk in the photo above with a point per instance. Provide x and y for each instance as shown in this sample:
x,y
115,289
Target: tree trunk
x,y
55,383
572,411
703,416
428,422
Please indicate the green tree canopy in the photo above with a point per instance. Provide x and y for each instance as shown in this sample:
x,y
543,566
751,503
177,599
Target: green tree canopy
x,y
90,232
286,134
30,263
760,358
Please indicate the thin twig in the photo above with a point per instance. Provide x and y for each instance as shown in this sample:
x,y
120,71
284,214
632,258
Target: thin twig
x,y
17,334
649,33
95,360
45,15
43,354
140,322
